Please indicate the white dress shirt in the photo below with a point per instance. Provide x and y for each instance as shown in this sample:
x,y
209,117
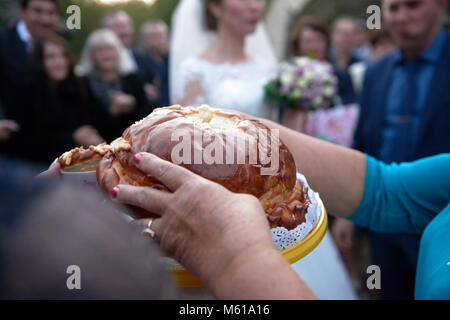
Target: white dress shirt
x,y
24,35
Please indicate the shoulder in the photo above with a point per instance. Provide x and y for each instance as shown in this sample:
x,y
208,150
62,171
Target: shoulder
x,y
192,63
141,59
8,32
3,34
379,65
261,64
194,69
7,35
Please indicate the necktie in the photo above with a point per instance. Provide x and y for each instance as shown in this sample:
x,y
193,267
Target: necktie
x,y
401,145
29,46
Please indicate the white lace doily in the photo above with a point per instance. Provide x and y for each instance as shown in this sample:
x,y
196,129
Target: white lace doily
x,y
284,238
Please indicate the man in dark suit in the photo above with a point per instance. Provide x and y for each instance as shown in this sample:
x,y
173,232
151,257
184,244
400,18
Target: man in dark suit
x,y
154,39
37,17
119,22
405,115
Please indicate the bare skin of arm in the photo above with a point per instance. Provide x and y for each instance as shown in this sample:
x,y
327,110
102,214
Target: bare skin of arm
x,y
337,173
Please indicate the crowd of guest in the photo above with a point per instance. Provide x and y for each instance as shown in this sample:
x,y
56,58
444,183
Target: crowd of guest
x,y
51,102
398,77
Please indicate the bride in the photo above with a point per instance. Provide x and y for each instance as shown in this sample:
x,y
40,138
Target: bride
x,y
221,56
228,58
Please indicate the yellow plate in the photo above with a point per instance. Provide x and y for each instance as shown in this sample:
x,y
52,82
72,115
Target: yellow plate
x,y
184,279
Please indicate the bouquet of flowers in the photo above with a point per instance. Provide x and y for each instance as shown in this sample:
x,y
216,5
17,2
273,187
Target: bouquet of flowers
x,y
306,84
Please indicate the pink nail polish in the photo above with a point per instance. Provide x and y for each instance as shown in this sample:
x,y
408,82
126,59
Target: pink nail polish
x,y
137,158
114,192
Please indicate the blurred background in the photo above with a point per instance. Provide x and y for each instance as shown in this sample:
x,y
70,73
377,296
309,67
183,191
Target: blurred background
x,y
93,10
144,10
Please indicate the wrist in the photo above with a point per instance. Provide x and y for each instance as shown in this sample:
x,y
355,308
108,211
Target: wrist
x,y
236,276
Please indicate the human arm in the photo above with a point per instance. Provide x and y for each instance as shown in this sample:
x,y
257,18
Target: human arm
x,y
191,94
404,197
87,135
342,231
224,239
6,128
134,87
388,198
188,85
337,173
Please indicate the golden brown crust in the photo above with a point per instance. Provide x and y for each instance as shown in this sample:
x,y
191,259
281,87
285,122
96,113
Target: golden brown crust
x,y
280,194
80,154
291,213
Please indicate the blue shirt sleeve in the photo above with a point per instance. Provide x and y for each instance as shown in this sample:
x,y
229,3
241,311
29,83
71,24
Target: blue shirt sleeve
x,y
404,198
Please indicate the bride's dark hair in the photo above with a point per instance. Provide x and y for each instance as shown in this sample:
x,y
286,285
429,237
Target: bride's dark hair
x,y
210,19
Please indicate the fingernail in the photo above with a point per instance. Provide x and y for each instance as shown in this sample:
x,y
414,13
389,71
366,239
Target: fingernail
x,y
137,158
114,192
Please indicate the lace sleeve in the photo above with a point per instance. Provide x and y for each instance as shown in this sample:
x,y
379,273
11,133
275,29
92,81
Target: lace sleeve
x,y
189,89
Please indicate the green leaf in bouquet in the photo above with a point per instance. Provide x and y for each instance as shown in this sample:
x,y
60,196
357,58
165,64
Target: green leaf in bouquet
x,y
272,91
291,101
311,55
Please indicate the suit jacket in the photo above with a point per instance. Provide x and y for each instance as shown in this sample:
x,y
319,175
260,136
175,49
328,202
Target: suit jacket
x,y
144,71
15,81
112,127
14,72
434,131
161,79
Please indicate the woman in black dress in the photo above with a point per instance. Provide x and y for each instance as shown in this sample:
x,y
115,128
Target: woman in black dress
x,y
111,77
61,111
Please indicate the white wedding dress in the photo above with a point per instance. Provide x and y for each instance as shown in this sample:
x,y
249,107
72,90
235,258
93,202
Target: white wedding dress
x,y
237,86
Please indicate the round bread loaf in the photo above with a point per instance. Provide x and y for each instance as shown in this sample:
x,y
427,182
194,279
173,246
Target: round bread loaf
x,y
222,146
81,159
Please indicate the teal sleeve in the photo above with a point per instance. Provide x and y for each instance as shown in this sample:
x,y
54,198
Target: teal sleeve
x,y
404,198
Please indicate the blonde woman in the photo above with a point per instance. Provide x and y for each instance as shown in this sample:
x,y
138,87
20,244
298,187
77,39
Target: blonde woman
x,y
111,77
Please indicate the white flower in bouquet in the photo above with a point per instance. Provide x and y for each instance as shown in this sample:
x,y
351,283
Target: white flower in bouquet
x,y
296,93
317,101
305,84
287,78
328,91
301,61
308,75
302,83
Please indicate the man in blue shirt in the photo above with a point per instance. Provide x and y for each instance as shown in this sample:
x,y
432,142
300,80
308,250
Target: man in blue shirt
x,y
419,82
405,115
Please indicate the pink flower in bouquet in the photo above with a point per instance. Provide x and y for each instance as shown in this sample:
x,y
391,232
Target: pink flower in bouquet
x,y
305,84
